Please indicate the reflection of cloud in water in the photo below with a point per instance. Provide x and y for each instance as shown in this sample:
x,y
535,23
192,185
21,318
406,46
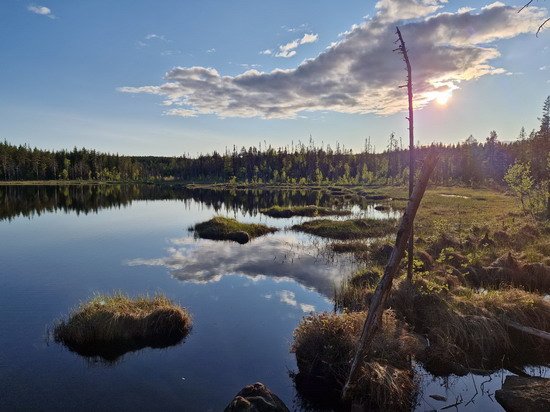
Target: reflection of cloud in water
x,y
289,297
279,256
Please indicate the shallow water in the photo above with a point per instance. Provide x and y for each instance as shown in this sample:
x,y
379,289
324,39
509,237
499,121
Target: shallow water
x,y
60,245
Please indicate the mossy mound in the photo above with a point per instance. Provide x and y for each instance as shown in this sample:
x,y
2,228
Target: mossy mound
x,y
109,326
307,211
224,228
348,229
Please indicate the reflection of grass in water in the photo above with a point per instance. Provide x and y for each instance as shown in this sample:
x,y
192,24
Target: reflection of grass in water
x,y
347,229
308,211
224,228
109,326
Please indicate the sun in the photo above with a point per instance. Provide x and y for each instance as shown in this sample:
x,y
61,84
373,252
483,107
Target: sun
x,y
442,98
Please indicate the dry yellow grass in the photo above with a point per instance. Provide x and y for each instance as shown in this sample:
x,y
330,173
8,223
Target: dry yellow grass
x,y
324,345
111,325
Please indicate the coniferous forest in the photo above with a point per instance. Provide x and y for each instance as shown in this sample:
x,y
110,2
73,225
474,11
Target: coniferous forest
x,y
472,162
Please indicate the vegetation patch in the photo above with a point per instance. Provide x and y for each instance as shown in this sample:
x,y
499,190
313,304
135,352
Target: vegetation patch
x,y
348,229
466,328
109,326
325,343
509,270
358,248
308,211
224,228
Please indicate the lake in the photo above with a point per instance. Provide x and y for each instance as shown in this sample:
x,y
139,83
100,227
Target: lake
x,y
62,244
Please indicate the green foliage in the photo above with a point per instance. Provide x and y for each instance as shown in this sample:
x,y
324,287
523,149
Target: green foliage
x,y
348,229
519,180
224,228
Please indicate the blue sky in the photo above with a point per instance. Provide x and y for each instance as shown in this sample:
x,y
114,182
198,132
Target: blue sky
x,y
74,73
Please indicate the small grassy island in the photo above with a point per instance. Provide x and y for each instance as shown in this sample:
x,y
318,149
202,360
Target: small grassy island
x,y
108,326
224,228
307,211
348,229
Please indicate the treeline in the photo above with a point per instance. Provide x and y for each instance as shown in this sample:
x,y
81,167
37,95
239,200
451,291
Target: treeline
x,y
471,162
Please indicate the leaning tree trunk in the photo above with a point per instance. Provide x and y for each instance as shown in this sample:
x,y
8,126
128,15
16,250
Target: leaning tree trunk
x,y
378,302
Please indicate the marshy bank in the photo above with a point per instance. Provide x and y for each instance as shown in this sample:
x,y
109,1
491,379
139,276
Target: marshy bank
x,y
478,302
108,326
348,229
224,228
306,211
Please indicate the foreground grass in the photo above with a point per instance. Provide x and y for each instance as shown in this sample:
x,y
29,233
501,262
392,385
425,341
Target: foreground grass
x,y
347,229
481,266
110,325
224,228
325,343
308,211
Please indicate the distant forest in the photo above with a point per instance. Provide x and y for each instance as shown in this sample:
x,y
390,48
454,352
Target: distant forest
x,y
471,162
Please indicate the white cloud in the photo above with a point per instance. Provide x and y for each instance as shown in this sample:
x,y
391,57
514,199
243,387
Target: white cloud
x,y
289,49
41,10
544,68
267,52
359,73
170,52
394,10
211,50
153,36
288,297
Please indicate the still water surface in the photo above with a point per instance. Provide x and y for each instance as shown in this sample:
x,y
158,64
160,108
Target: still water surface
x,y
60,245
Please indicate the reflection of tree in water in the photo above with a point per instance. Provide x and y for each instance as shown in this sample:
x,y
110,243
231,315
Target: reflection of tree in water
x,y
35,200
279,256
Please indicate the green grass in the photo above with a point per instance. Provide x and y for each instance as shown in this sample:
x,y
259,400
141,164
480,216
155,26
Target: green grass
x,y
308,211
224,228
108,326
348,229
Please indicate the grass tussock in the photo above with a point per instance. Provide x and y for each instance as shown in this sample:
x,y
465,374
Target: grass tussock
x,y
511,271
108,326
306,211
348,229
324,345
467,329
354,293
224,228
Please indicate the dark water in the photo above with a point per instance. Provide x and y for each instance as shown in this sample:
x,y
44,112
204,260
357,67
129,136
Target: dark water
x,y
59,245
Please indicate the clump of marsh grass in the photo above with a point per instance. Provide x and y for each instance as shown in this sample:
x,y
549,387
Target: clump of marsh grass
x,y
107,326
466,328
224,228
354,293
307,211
324,345
511,271
347,229
359,249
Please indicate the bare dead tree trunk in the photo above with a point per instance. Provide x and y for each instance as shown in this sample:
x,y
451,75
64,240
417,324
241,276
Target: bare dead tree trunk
x,y
402,49
378,302
542,24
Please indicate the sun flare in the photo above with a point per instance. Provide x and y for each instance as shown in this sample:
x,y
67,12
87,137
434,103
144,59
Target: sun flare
x,y
442,98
